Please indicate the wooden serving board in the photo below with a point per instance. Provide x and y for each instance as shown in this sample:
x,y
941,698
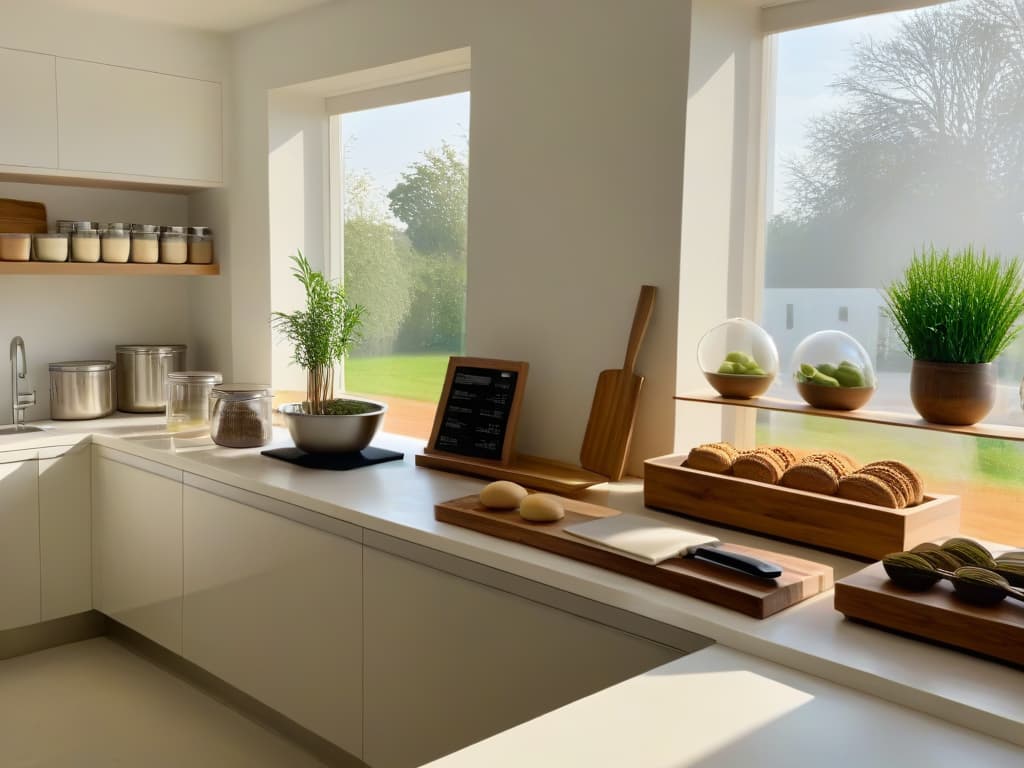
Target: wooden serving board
x,y
936,615
22,216
828,522
531,471
755,597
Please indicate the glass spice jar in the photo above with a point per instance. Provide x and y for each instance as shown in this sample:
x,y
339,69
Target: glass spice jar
x,y
241,415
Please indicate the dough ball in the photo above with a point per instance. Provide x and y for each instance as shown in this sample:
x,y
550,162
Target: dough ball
x,y
541,508
502,495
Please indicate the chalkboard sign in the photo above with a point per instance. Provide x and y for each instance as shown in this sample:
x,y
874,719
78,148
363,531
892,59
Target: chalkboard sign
x,y
479,409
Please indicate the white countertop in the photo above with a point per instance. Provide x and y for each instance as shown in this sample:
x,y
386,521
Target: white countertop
x,y
397,499
718,707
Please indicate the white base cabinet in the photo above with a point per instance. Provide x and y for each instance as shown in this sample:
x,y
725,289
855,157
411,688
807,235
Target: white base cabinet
x,y
65,531
449,662
137,545
274,607
19,539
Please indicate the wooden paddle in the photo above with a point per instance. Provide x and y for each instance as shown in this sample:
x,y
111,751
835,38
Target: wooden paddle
x,y
613,412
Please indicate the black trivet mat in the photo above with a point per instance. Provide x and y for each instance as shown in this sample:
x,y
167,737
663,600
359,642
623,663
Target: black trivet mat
x,y
335,461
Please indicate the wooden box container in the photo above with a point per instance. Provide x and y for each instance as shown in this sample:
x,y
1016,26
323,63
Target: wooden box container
x,y
828,522
937,615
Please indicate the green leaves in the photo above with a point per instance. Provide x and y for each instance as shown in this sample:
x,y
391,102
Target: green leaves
x,y
957,309
324,332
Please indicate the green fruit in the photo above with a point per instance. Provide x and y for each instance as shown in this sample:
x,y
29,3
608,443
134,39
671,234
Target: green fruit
x,y
970,552
910,570
848,364
827,369
849,377
807,370
822,380
757,370
727,367
740,357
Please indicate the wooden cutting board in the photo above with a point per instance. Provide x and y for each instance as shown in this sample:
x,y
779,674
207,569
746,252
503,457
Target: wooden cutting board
x,y
616,398
22,216
936,614
755,597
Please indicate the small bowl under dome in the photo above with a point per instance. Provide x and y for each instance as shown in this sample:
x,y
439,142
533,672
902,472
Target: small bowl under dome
x,y
738,358
833,371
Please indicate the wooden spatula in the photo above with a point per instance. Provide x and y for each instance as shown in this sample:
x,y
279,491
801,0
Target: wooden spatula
x,y
610,426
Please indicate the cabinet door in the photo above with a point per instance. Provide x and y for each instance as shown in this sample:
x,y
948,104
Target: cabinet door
x,y
126,121
449,662
137,546
19,540
65,531
28,109
274,607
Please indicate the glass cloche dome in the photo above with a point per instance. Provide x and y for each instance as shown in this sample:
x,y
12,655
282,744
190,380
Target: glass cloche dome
x,y
833,371
738,358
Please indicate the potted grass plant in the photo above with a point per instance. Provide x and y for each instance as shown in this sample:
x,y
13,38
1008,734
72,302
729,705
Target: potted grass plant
x,y
955,314
322,334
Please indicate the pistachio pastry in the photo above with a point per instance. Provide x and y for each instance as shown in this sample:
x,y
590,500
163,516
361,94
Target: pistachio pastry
x,y
969,552
910,571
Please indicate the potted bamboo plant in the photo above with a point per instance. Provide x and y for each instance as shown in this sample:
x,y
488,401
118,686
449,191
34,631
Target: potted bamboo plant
x,y
955,314
322,334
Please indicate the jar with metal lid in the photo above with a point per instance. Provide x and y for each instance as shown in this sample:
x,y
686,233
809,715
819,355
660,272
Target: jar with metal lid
x,y
85,243
241,415
145,247
115,246
200,245
173,245
142,375
81,389
188,399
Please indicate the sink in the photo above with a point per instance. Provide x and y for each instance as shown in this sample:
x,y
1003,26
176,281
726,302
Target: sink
x,y
13,430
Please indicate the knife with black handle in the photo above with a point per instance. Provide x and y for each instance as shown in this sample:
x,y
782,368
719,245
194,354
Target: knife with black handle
x,y
751,566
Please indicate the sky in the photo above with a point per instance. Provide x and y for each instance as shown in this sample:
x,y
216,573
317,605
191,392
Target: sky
x,y
809,60
384,141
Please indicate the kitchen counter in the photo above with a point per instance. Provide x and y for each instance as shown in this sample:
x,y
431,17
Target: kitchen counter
x,y
397,499
719,707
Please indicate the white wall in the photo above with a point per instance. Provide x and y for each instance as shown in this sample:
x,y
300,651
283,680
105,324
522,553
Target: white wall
x,y
64,318
576,152
720,276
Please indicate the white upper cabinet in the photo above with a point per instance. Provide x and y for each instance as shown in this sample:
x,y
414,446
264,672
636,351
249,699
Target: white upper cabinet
x,y
131,122
28,109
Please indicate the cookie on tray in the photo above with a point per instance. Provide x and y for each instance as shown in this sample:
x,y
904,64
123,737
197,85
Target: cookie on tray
x,y
819,472
763,465
914,481
712,457
868,490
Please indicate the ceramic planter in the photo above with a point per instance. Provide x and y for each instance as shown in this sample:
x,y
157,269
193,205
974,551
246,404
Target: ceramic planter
x,y
957,394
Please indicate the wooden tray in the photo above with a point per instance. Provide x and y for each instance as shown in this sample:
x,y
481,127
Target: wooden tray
x,y
936,615
531,471
755,597
828,522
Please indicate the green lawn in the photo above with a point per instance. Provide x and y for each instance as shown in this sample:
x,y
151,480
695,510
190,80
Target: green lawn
x,y
414,377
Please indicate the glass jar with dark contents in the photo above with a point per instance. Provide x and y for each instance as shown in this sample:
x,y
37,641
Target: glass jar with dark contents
x,y
241,415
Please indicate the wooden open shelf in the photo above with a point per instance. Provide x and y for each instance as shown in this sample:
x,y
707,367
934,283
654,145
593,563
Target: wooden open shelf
x,y
894,418
101,268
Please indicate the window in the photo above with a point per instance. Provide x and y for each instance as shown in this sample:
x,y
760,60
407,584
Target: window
x,y
404,169
892,133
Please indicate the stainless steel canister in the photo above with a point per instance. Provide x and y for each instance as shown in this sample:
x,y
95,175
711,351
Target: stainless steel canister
x,y
142,375
81,389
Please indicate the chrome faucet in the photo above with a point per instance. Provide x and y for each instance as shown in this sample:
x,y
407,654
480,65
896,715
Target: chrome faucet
x,y
19,370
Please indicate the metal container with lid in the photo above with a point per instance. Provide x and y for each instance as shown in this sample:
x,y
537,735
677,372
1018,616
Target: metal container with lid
x,y
82,389
188,399
241,415
142,375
